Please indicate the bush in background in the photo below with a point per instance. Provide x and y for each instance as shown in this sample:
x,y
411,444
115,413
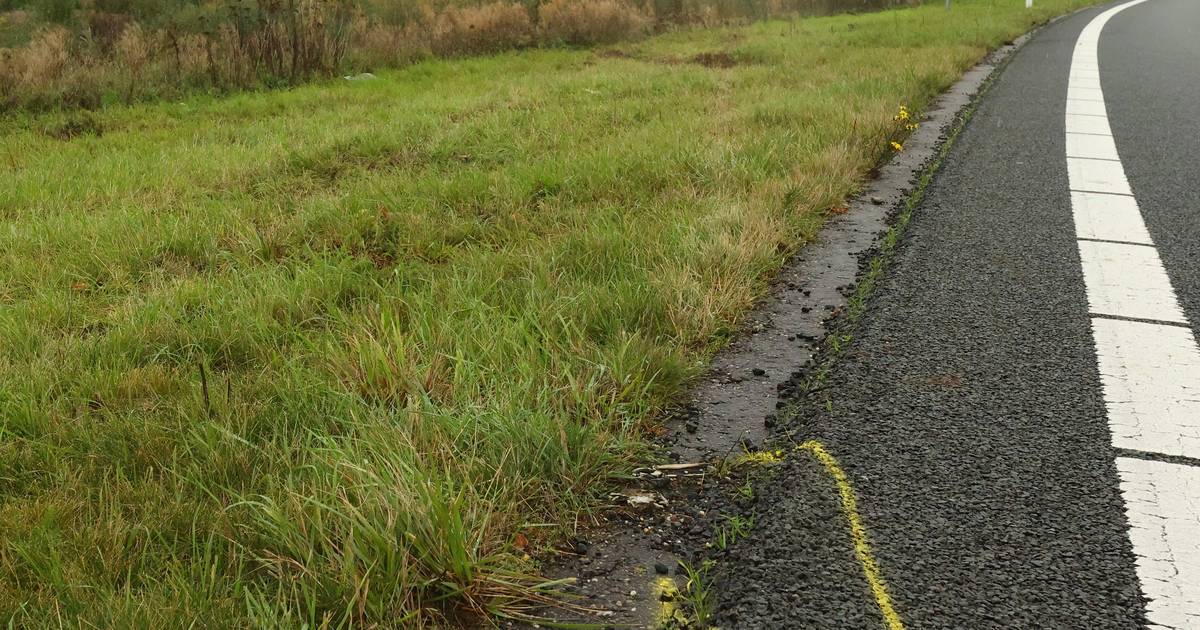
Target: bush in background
x,y
592,22
482,29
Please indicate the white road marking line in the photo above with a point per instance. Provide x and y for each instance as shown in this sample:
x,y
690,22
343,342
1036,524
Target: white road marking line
x,y
1128,281
1108,217
1084,94
1088,124
1148,375
1150,372
1086,108
1083,145
1164,517
1081,80
1103,176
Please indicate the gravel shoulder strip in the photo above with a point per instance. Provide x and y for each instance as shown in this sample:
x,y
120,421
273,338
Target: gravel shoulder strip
x,y
965,409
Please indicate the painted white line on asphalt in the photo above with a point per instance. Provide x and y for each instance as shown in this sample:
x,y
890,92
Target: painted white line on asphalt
x,y
1082,80
1108,217
1086,108
1164,517
1103,176
1150,372
1150,389
1128,281
1082,145
1084,94
1088,124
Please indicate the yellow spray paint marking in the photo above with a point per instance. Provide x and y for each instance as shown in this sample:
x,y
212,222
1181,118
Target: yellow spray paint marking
x,y
668,598
758,458
858,533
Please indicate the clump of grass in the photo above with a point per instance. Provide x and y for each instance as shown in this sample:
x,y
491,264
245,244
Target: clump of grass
x,y
480,29
592,22
697,595
734,529
315,357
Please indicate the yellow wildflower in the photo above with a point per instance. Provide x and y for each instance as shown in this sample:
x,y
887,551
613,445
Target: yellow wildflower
x,y
896,146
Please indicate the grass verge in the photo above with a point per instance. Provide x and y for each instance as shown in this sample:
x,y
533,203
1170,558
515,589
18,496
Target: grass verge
x,y
350,354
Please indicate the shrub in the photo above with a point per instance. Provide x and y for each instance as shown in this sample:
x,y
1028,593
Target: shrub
x,y
36,68
133,53
45,58
486,28
17,28
106,28
591,21
387,44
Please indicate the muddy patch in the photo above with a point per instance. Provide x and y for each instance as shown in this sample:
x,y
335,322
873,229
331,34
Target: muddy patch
x,y
74,125
714,60
613,53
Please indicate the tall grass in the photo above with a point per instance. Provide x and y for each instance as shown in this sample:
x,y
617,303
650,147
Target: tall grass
x,y
358,354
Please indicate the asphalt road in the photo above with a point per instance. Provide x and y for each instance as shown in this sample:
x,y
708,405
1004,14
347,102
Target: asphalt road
x,y
1010,402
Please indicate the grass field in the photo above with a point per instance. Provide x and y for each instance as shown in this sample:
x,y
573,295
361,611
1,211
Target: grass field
x,y
331,355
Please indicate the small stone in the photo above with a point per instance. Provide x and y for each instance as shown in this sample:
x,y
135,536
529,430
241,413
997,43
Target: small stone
x,y
758,372
691,427
877,201
660,568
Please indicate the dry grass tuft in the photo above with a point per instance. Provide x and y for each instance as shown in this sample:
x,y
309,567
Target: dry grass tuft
x,y
486,28
44,59
579,22
714,60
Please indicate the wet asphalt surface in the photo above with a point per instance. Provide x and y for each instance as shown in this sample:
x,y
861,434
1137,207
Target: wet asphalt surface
x,y
967,410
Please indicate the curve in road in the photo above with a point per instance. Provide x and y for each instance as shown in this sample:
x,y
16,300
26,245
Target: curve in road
x,y
1148,358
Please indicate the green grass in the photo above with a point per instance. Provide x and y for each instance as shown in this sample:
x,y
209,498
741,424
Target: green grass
x,y
319,356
